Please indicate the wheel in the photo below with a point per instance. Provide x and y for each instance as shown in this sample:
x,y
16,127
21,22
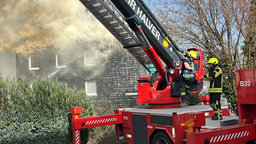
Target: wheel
x,y
161,138
250,142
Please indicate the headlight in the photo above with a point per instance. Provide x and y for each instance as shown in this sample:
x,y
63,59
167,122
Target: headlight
x,y
173,132
172,71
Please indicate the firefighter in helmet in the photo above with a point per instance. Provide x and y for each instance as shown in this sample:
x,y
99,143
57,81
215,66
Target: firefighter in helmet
x,y
215,90
187,74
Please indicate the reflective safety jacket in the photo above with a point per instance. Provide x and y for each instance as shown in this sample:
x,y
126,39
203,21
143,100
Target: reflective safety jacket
x,y
215,78
187,74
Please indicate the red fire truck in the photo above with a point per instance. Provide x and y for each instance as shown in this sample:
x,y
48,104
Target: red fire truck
x,y
165,121
184,124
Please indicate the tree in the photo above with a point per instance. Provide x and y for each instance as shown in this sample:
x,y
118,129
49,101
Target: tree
x,y
216,26
250,47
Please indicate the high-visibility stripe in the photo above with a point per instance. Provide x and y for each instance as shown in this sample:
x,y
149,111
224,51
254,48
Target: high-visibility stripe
x,y
215,90
208,79
208,76
217,73
187,76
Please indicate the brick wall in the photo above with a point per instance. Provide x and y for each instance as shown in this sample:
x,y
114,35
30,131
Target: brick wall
x,y
115,76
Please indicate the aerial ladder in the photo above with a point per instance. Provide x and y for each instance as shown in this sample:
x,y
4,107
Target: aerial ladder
x,y
165,121
136,28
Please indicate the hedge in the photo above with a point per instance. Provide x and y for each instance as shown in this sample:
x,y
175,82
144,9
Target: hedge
x,y
40,114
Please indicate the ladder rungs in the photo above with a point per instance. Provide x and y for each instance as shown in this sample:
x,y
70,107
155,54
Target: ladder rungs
x,y
98,8
89,2
110,17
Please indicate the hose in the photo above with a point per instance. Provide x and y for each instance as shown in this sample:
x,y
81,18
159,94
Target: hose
x,y
152,77
166,78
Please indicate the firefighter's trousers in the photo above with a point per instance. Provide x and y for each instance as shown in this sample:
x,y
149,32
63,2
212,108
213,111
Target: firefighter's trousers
x,y
185,85
215,103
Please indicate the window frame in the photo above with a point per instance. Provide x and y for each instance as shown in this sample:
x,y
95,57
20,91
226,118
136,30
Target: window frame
x,y
57,62
85,64
29,63
86,90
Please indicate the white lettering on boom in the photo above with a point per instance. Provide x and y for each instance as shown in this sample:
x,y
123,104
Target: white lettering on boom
x,y
139,12
132,4
149,24
144,18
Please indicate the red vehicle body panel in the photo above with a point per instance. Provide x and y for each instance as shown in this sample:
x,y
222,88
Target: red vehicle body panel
x,y
123,119
162,98
184,125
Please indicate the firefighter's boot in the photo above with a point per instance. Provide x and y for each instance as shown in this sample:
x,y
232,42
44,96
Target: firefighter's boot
x,y
215,112
215,115
218,116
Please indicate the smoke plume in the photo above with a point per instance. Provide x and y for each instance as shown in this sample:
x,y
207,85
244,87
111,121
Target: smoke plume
x,y
28,25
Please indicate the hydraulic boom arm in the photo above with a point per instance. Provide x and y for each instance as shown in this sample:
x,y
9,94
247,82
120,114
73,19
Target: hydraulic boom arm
x,y
137,29
136,12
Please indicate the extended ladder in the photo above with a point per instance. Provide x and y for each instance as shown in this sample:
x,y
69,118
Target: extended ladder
x,y
114,21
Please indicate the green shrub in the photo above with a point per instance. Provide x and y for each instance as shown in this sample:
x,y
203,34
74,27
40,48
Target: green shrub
x,y
40,114
230,95
193,100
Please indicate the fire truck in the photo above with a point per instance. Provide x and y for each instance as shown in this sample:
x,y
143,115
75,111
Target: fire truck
x,y
165,121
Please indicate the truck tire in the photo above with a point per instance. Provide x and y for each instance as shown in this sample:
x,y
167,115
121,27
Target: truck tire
x,y
250,142
161,138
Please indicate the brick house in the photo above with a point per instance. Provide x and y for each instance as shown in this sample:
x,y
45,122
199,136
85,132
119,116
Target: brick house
x,y
110,80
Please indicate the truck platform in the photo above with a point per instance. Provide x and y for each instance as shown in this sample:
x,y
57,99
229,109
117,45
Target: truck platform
x,y
179,110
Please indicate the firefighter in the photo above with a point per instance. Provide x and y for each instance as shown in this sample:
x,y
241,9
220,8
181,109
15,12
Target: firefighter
x,y
187,74
215,89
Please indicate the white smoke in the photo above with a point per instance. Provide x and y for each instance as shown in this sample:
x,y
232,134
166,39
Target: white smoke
x,y
28,25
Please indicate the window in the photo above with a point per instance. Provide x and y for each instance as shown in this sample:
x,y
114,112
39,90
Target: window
x,y
61,61
90,88
89,60
33,63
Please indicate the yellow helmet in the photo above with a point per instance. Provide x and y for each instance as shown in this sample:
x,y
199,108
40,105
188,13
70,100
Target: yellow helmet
x,y
213,61
192,54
